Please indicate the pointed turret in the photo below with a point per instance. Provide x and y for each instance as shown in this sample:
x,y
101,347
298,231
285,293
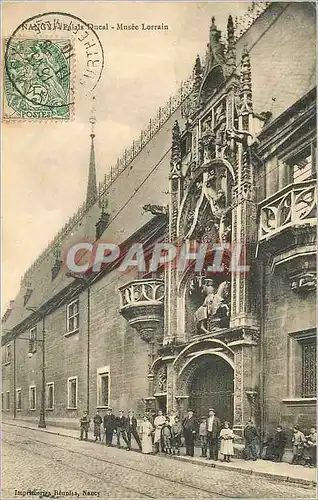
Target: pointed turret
x,y
91,195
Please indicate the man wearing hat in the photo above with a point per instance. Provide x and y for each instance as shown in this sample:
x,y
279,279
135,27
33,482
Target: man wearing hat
x,y
109,426
189,431
213,432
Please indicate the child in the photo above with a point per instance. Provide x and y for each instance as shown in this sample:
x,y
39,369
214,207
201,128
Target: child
x,y
203,432
227,436
176,430
311,446
298,441
279,443
84,423
166,436
97,423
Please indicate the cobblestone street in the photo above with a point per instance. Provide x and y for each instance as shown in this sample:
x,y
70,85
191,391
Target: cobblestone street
x,y
62,467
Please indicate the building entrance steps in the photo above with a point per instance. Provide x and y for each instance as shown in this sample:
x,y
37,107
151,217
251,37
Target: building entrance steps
x,y
279,471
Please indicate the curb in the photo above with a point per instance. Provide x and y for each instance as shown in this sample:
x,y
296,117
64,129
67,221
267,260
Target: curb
x,y
250,472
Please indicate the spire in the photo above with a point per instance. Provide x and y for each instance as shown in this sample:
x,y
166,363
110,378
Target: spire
x,y
91,195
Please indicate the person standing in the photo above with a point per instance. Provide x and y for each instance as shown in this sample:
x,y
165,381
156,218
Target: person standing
x,y
226,437
121,425
172,417
203,432
158,424
166,435
298,441
146,433
189,431
132,430
109,426
176,430
278,444
84,423
311,447
97,423
251,438
213,431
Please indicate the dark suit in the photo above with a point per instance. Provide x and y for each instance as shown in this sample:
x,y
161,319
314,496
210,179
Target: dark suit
x,y
109,426
131,428
213,437
189,430
121,425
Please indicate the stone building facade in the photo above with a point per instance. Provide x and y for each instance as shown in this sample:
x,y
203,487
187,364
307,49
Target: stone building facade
x,y
230,164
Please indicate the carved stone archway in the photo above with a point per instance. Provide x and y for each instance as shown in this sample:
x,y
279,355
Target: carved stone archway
x,y
207,380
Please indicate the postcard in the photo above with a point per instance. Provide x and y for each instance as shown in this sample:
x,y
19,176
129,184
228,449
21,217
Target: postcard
x,y
159,249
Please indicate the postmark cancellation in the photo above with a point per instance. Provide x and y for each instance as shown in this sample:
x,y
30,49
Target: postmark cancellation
x,y
38,76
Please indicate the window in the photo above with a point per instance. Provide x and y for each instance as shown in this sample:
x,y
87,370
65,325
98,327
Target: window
x,y
50,396
33,340
72,393
302,367
7,354
302,164
8,400
2,401
308,382
72,318
103,386
19,399
32,397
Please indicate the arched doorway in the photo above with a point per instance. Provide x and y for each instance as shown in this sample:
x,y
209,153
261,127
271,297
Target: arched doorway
x,y
212,385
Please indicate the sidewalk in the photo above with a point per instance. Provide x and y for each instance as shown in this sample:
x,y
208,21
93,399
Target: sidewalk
x,y
279,471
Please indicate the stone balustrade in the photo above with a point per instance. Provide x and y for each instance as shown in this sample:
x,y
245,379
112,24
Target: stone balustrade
x,y
294,205
142,306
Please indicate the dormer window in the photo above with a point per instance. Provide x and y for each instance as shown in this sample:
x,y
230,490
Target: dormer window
x,y
101,224
57,263
28,292
7,354
33,340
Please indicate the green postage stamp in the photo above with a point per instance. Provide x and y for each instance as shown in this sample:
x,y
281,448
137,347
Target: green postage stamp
x,y
37,79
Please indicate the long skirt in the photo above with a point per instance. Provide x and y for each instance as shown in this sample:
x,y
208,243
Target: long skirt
x,y
146,443
227,447
97,430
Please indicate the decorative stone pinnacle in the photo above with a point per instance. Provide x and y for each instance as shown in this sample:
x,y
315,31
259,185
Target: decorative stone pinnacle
x,y
230,30
175,162
246,84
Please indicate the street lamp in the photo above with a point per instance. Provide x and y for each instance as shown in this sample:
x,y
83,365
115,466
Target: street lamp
x,y
42,423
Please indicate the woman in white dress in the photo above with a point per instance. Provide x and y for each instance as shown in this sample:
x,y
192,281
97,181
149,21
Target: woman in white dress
x,y
146,431
226,437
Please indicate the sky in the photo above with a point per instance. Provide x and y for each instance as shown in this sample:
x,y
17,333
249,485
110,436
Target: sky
x,y
45,164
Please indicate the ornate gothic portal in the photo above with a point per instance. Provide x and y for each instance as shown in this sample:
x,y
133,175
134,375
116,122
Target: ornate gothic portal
x,y
212,386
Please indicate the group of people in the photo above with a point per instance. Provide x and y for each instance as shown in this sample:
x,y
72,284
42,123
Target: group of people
x,y
166,433
304,446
